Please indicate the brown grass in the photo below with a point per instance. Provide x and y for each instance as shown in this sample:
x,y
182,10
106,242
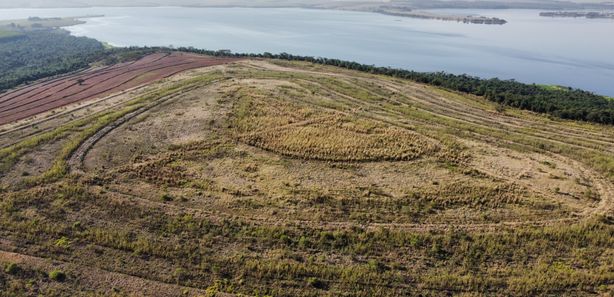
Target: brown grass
x,y
294,179
343,140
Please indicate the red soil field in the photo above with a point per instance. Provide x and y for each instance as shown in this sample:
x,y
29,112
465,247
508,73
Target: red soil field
x,y
40,97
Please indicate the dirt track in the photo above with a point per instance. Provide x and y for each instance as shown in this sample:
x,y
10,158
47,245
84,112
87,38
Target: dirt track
x,y
47,95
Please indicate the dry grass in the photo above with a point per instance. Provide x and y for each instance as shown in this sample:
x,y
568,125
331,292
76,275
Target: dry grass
x,y
343,140
302,180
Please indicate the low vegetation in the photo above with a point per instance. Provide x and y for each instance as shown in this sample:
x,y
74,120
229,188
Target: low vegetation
x,y
319,136
565,103
33,56
278,175
7,35
287,178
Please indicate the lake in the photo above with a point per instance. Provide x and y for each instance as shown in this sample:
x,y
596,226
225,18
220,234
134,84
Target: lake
x,y
533,49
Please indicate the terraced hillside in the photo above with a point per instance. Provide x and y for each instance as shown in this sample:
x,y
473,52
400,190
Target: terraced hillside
x,y
271,178
47,95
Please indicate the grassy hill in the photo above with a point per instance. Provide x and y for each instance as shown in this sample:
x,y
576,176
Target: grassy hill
x,y
275,178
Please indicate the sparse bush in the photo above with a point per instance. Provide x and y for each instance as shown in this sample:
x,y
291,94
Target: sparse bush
x,y
376,265
316,283
77,225
180,275
11,268
63,242
57,275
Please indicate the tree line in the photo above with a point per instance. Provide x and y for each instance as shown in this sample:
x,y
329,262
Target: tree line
x,y
47,53
38,54
44,53
565,103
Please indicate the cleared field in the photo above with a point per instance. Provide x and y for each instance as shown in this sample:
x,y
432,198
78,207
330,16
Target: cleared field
x,y
40,97
270,178
5,34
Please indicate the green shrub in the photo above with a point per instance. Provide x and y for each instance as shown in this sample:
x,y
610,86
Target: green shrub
x,y
167,198
180,275
316,283
57,275
63,242
11,268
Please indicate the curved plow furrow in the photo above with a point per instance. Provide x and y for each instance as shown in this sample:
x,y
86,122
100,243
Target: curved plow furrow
x,y
67,82
75,88
45,84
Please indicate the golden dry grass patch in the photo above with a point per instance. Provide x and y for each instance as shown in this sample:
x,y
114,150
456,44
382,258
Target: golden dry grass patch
x,y
343,142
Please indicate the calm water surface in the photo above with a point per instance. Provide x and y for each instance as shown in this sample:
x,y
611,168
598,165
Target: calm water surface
x,y
571,52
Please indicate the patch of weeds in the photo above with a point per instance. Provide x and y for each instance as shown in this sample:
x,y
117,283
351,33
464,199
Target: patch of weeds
x,y
549,164
167,197
57,275
63,242
316,283
11,268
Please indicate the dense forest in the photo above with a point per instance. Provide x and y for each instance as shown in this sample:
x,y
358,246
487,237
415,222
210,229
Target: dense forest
x,y
565,103
43,53
31,55
38,54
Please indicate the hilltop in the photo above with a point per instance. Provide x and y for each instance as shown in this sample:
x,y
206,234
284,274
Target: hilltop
x,y
261,176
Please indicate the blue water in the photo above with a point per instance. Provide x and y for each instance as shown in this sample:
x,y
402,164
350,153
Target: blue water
x,y
570,52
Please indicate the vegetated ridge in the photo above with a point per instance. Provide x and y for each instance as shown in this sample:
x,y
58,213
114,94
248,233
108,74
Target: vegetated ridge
x,y
271,177
34,99
562,102
28,59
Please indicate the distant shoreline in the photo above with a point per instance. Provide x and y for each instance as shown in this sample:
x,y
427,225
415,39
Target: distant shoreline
x,y
444,17
421,5
384,10
578,14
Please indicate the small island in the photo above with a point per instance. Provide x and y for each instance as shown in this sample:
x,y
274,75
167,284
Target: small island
x,y
461,19
11,30
39,23
578,14
410,13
